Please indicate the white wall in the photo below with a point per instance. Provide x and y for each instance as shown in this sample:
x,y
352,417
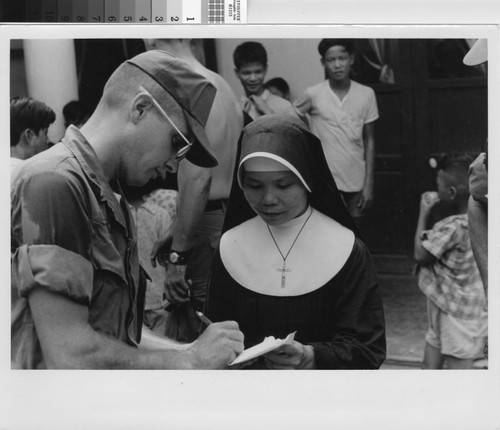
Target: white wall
x,y
295,60
51,76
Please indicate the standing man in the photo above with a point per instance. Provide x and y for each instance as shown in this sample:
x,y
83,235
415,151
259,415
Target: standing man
x,y
250,62
76,267
201,200
342,112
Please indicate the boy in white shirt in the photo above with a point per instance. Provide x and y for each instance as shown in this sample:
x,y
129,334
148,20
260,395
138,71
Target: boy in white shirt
x,y
342,112
250,61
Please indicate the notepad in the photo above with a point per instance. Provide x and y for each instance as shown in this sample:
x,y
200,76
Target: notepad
x,y
269,343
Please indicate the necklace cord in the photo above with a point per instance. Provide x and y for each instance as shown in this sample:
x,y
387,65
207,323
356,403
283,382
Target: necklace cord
x,y
295,240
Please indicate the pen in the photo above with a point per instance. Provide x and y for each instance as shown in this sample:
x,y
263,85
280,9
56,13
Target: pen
x,y
203,318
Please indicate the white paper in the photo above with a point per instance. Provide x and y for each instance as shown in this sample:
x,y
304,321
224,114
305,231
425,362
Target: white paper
x,y
268,344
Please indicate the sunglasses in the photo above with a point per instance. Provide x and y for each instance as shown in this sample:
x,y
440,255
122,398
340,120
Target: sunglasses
x,y
177,140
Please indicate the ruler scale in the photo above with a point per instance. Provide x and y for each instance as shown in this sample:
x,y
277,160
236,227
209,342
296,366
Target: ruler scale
x,y
159,11
191,12
96,11
64,11
143,11
49,11
111,11
33,11
174,11
216,11
81,11
128,11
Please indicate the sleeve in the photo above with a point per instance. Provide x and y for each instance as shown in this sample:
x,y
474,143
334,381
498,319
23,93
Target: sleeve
x,y
358,319
51,226
372,108
290,110
303,104
440,239
32,267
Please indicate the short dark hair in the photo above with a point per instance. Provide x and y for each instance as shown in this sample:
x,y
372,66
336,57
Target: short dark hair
x,y
326,44
75,112
279,83
249,52
456,165
26,112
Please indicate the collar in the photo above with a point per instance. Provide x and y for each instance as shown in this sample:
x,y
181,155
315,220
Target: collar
x,y
252,259
83,152
294,222
265,95
347,91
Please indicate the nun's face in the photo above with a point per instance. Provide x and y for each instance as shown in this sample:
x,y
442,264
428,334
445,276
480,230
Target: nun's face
x,y
277,197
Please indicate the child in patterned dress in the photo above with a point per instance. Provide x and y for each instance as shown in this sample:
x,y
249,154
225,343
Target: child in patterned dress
x,y
448,274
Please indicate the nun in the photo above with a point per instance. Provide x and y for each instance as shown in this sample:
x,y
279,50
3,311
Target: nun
x,y
291,258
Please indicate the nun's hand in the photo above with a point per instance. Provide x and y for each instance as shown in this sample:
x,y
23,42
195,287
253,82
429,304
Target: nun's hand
x,y
291,356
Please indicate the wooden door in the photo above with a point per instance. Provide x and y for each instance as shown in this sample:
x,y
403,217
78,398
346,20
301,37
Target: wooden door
x,y
427,112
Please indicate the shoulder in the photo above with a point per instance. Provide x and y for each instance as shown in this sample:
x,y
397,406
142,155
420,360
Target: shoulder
x,y
329,224
217,80
329,234
280,105
453,222
45,171
44,191
14,162
361,90
361,87
446,234
277,100
359,266
240,232
317,88
219,83
360,250
51,182
225,104
363,98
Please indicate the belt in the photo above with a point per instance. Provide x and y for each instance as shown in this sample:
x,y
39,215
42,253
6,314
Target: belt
x,y
215,205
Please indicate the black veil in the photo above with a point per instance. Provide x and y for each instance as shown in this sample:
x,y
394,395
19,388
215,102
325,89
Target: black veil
x,y
289,138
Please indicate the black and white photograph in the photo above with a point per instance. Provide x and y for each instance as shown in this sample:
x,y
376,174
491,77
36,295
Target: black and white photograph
x,y
197,211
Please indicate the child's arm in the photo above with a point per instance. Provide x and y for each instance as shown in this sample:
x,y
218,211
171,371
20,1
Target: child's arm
x,y
478,230
261,105
303,106
421,255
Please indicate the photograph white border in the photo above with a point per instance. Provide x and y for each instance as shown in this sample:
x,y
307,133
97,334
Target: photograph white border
x,y
258,399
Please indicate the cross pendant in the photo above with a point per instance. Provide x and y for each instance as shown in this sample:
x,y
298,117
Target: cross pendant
x,y
283,271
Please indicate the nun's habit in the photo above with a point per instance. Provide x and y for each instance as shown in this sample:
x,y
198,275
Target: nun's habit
x,y
326,290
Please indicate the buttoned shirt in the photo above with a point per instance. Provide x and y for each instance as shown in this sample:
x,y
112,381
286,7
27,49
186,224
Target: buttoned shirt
x,y
71,236
452,282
